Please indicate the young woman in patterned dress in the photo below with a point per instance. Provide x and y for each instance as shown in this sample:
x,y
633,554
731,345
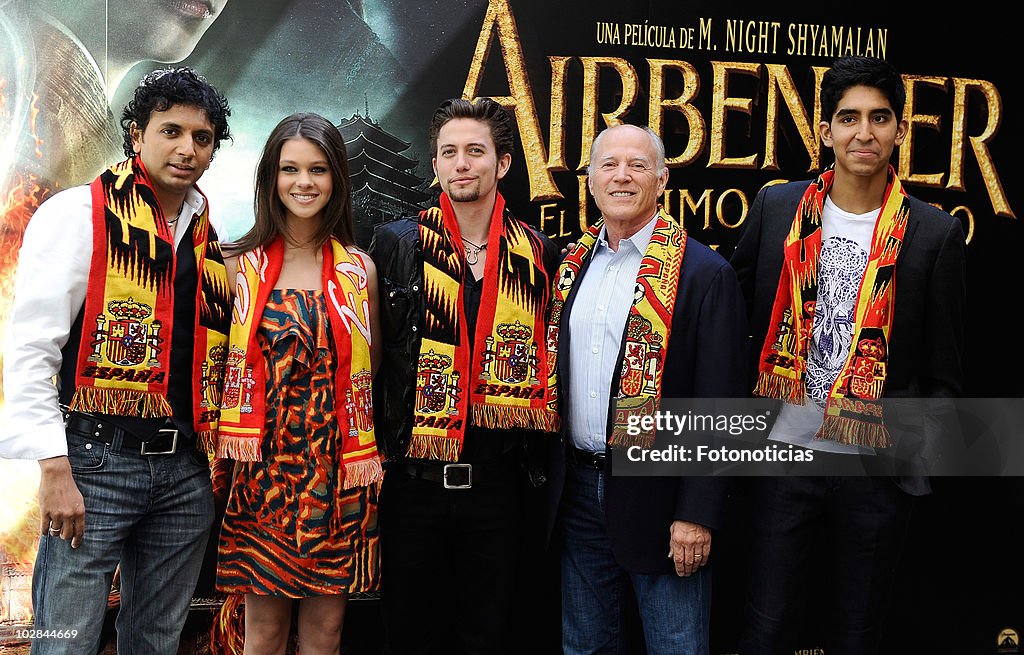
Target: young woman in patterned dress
x,y
296,415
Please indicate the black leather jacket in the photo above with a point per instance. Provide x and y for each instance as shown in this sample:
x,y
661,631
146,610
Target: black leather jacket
x,y
395,252
399,260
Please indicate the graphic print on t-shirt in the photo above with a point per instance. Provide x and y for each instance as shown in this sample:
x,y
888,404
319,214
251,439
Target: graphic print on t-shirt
x,y
840,270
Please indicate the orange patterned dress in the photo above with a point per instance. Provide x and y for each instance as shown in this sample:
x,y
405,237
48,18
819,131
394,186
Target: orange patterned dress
x,y
289,529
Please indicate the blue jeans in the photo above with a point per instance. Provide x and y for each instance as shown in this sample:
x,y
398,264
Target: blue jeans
x,y
150,514
674,610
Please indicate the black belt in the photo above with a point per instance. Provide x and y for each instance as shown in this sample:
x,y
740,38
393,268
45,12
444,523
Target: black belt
x,y
587,458
462,475
451,476
166,441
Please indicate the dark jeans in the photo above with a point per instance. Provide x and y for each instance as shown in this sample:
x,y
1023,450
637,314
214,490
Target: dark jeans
x,y
857,524
150,514
449,560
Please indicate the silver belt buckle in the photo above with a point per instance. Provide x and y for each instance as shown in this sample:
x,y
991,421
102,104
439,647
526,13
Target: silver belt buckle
x,y
174,443
454,474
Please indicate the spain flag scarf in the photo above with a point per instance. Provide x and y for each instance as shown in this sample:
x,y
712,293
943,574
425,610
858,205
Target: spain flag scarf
x,y
648,325
853,411
503,383
124,360
244,405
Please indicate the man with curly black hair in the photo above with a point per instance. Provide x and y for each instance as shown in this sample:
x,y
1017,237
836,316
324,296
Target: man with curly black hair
x,y
121,294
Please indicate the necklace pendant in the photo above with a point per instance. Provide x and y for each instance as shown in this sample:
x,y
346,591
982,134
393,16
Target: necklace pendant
x,y
472,251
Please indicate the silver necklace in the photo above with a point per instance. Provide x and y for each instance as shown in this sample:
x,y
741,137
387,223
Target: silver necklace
x,y
473,251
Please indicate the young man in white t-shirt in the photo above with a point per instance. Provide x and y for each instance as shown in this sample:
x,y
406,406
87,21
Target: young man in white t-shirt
x,y
855,293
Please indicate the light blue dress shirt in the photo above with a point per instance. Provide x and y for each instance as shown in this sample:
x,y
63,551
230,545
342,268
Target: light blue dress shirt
x,y
596,325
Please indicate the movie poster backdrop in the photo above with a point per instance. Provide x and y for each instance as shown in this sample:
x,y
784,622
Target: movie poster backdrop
x,y
730,86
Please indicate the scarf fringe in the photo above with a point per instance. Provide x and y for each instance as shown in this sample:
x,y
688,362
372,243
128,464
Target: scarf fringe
x,y
227,629
363,473
501,416
240,449
622,439
121,402
423,446
206,442
770,385
854,432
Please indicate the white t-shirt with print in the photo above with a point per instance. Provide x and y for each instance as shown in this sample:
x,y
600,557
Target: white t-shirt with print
x,y
845,247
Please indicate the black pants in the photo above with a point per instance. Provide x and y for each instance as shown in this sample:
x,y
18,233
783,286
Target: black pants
x,y
856,526
449,563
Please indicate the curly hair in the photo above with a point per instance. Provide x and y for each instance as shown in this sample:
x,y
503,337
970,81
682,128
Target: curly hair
x,y
162,89
485,110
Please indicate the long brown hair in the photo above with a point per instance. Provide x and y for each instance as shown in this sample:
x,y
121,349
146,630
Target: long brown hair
x,y
271,220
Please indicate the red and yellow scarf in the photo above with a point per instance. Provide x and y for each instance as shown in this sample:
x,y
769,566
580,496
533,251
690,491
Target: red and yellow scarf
x,y
123,362
648,325
243,416
506,385
853,411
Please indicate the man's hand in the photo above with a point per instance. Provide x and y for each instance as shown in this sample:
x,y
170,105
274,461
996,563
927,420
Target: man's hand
x,y
61,507
689,546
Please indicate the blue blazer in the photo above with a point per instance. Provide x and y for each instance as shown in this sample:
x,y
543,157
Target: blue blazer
x,y
705,359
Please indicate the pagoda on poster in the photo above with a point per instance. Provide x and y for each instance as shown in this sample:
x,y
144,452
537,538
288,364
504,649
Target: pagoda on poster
x,y
384,184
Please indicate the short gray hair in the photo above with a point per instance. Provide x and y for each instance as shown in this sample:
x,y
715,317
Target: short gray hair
x,y
659,147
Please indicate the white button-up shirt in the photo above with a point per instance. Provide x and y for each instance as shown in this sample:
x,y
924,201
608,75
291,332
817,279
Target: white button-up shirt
x,y
49,291
596,325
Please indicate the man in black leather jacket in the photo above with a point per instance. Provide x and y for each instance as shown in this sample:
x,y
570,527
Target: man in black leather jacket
x,y
454,411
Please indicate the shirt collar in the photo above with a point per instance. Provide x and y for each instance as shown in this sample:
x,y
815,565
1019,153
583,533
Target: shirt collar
x,y
640,240
194,204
